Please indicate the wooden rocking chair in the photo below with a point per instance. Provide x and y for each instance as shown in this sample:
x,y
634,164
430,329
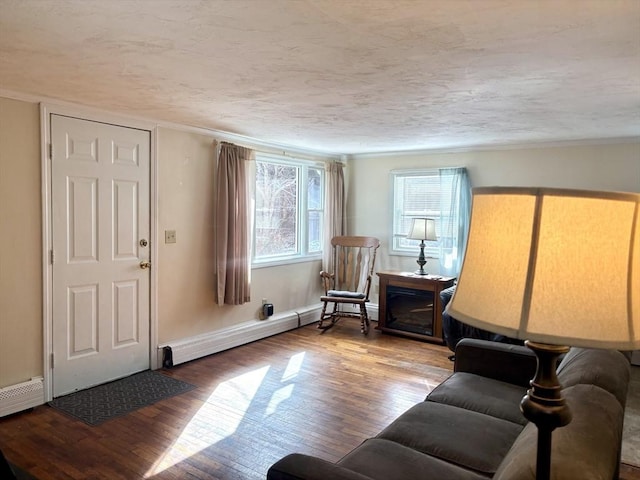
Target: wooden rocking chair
x,y
353,262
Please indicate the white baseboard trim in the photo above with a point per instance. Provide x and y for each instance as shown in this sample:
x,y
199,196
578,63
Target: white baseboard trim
x,y
21,396
188,349
372,311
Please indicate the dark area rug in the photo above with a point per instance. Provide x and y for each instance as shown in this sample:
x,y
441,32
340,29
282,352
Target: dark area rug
x,y
104,402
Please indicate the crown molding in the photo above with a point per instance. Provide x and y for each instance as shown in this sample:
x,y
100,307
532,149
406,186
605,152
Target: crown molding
x,y
282,149
499,147
218,135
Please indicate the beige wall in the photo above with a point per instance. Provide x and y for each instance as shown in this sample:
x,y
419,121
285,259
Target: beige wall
x,y
614,167
186,286
20,243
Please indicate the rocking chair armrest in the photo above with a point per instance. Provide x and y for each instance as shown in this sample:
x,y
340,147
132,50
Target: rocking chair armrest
x,y
327,280
367,287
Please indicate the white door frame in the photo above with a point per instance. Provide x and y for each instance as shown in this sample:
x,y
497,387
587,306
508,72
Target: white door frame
x,y
46,109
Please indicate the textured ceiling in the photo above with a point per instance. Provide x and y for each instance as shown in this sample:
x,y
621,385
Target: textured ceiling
x,y
339,76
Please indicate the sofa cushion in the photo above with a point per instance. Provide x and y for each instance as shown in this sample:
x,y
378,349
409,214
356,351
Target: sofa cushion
x,y
297,466
608,369
586,448
382,459
462,437
483,395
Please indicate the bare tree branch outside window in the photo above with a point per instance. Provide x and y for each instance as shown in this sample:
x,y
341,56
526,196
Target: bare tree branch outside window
x,y
276,217
289,210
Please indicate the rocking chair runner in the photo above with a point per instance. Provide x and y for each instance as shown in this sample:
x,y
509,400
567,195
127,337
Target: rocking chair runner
x,y
349,284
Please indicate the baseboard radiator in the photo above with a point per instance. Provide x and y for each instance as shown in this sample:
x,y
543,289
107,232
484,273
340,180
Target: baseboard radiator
x,y
21,396
188,349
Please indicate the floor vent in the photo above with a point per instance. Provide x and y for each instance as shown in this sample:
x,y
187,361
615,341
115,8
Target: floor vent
x,y
21,396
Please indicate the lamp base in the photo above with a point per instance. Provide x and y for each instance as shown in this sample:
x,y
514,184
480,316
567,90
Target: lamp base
x,y
422,260
543,404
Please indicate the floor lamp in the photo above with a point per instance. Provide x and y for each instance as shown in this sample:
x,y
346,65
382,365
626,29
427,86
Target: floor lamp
x,y
556,268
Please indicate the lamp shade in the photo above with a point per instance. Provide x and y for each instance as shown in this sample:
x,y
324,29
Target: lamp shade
x,y
553,266
423,229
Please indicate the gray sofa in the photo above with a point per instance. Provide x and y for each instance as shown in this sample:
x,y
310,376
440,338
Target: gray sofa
x,y
470,427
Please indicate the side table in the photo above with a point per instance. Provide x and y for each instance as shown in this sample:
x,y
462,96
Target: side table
x,y
410,305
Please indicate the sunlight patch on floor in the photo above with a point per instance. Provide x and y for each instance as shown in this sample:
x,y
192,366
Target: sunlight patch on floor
x,y
280,395
293,367
224,410
217,419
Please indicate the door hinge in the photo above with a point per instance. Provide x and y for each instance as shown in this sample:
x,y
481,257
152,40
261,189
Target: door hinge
x,y
52,256
51,151
52,360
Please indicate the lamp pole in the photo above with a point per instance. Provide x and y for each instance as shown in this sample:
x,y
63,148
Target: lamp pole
x,y
543,404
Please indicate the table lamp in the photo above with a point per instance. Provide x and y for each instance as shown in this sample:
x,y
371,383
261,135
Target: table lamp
x,y
422,229
556,268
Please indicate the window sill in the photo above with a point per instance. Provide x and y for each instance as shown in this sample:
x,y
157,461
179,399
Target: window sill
x,y
285,261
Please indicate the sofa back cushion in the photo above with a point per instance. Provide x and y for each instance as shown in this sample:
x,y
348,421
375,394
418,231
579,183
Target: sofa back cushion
x,y
481,394
469,439
586,448
608,369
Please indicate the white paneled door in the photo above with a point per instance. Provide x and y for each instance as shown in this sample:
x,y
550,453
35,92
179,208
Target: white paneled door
x,y
100,236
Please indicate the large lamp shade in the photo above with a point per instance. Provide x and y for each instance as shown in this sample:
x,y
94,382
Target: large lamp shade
x,y
554,266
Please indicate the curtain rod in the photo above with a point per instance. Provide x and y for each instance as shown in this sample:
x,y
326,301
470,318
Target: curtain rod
x,y
279,151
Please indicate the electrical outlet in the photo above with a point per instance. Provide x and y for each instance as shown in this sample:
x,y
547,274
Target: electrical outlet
x,y
169,236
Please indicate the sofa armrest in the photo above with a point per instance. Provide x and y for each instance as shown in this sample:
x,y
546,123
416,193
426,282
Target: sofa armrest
x,y
514,364
297,466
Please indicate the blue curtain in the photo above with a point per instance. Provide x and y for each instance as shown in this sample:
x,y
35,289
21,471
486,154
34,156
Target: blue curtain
x,y
455,215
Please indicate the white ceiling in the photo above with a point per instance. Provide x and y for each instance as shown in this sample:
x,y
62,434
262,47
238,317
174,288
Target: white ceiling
x,y
339,76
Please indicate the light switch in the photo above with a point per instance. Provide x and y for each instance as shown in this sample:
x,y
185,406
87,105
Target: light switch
x,y
169,236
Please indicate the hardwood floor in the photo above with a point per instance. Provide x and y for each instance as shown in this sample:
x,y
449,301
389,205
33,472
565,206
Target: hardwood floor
x,y
300,391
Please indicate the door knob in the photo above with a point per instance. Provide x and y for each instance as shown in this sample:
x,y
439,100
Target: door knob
x,y
144,264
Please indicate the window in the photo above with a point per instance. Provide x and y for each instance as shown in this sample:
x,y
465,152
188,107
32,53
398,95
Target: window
x,y
289,202
434,194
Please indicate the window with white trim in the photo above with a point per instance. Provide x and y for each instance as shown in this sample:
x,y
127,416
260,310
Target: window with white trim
x,y
419,194
288,210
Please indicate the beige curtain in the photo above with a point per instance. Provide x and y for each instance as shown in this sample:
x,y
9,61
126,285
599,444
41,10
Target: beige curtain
x,y
233,257
334,210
